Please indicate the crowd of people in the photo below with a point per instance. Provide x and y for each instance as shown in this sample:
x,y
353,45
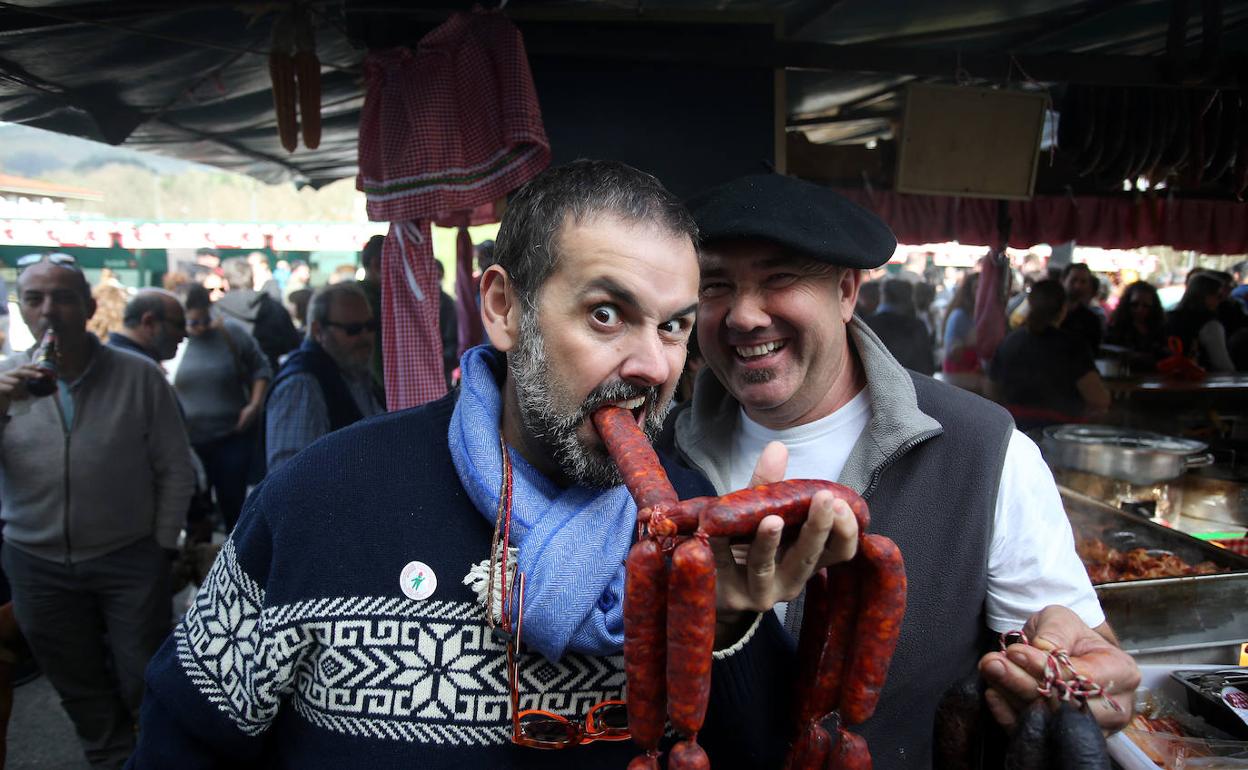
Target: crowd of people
x,y
354,614
1055,326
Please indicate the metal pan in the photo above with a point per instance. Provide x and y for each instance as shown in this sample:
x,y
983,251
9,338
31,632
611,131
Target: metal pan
x,y
1138,457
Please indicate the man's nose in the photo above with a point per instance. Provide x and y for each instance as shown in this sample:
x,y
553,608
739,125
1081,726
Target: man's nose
x,y
747,313
646,364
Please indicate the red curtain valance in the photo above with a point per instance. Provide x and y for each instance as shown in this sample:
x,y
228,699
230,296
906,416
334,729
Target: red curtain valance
x,y
1211,227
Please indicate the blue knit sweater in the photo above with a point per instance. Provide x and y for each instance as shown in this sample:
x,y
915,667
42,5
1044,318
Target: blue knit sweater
x,y
301,651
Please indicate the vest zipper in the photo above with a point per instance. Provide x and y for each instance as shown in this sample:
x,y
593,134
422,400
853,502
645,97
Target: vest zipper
x,y
65,431
896,455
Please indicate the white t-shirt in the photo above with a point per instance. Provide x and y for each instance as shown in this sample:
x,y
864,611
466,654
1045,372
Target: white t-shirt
x,y
1031,560
817,450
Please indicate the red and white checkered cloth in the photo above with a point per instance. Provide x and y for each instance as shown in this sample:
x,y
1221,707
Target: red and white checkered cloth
x,y
448,127
411,343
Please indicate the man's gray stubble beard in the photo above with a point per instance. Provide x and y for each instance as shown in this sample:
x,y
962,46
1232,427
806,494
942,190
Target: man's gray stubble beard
x,y
555,429
758,376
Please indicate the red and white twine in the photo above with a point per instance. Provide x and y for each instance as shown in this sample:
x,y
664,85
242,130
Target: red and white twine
x,y
1061,678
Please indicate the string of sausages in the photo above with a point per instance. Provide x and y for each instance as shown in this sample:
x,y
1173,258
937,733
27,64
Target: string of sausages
x,y
853,611
1058,733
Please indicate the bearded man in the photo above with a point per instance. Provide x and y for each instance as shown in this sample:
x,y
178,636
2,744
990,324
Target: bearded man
x,y
356,618
154,325
326,384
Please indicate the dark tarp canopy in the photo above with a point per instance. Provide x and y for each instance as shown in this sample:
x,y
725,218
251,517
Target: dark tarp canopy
x,y
183,79
191,79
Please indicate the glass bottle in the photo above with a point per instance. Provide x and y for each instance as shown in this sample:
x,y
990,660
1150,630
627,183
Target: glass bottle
x,y
44,359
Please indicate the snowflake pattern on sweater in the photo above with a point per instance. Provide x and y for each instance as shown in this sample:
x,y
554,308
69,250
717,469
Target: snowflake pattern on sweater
x,y
378,667
302,651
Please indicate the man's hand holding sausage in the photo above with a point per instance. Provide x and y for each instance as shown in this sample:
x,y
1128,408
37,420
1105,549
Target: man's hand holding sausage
x,y
1013,676
769,573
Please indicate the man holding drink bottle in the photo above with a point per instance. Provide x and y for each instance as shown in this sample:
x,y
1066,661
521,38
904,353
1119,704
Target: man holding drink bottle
x,y
95,478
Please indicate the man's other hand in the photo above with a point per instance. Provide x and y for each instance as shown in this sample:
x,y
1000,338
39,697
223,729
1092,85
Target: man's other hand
x,y
13,385
753,577
1013,676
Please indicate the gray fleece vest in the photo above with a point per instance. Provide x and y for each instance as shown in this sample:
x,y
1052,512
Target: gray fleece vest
x,y
936,501
929,464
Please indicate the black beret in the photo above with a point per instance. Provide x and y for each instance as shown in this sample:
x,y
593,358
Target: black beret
x,y
794,213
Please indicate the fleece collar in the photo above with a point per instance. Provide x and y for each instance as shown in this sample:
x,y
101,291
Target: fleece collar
x,y
704,432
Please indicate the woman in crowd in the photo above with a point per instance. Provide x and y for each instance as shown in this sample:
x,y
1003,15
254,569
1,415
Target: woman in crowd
x,y
221,381
1042,374
1196,325
110,306
960,355
1139,325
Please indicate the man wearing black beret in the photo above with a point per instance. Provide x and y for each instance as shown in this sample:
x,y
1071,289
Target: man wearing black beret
x,y
967,498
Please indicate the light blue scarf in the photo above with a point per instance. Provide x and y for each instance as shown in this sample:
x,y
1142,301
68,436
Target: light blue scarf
x,y
572,541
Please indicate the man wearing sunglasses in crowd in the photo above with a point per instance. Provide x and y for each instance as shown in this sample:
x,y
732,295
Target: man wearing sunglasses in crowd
x,y
326,384
95,478
442,587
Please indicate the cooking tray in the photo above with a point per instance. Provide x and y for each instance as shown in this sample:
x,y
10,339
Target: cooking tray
x,y
1163,614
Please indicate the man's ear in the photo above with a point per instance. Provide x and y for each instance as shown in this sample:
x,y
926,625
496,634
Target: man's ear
x,y
848,284
500,308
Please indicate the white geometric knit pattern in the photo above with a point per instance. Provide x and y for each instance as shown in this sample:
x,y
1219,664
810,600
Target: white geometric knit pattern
x,y
381,667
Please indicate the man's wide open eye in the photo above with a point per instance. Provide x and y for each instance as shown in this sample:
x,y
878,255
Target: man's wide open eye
x,y
674,326
607,315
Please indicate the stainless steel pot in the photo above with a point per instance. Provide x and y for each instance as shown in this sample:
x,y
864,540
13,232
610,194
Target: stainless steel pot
x,y
1138,457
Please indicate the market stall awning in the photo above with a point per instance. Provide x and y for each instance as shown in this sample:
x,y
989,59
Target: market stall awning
x,y
192,80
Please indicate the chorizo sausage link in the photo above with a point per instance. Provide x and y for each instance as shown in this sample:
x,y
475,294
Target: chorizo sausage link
x,y
810,643
812,751
844,589
688,755
883,605
685,515
851,752
645,761
639,465
690,633
645,642
738,514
